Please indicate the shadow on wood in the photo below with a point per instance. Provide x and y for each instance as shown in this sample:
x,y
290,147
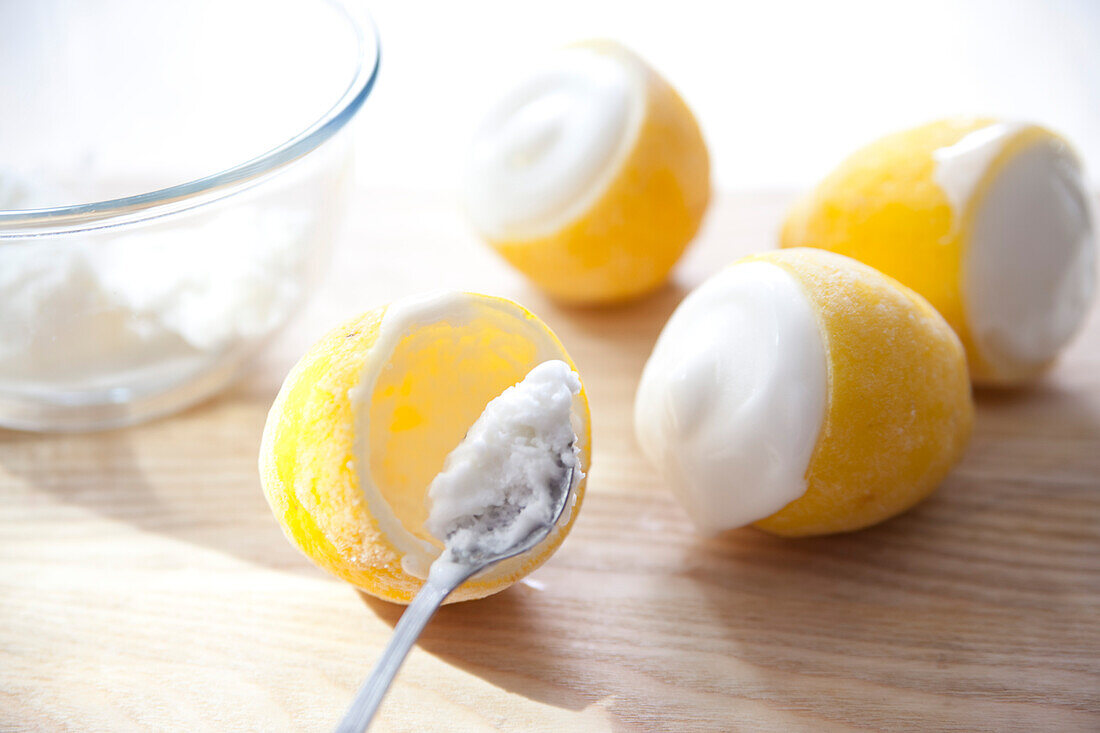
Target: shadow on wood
x,y
145,476
508,639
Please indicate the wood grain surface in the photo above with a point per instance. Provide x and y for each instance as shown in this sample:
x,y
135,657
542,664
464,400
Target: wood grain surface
x,y
145,586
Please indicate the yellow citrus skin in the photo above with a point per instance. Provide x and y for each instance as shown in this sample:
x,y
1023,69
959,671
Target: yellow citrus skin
x,y
882,206
628,240
310,474
899,411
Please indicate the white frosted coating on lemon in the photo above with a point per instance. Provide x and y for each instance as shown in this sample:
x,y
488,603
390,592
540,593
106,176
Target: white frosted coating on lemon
x,y
505,480
400,318
960,167
552,143
1029,268
733,398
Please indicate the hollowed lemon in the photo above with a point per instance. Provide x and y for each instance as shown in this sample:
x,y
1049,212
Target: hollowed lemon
x,y
363,424
590,176
806,393
990,221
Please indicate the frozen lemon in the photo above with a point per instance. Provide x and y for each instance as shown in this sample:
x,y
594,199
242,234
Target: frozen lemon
x,y
590,176
804,392
363,423
988,220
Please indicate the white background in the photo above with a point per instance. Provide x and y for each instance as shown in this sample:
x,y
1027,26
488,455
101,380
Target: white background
x,y
783,90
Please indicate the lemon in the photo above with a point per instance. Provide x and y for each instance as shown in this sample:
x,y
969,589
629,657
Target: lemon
x,y
590,176
803,392
364,421
989,220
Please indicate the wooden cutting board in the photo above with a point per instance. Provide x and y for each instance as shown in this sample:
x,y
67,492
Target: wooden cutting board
x,y
145,586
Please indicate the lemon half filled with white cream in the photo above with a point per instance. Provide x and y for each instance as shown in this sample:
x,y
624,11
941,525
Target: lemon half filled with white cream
x,y
363,458
990,221
590,175
804,392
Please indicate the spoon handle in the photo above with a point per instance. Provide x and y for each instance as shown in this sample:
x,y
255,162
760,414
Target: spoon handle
x,y
405,634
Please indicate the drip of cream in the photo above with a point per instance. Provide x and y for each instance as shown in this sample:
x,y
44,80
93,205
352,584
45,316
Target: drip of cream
x,y
551,145
1029,262
961,167
733,397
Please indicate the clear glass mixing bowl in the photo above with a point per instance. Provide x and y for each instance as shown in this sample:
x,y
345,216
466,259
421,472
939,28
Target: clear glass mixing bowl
x,y
171,177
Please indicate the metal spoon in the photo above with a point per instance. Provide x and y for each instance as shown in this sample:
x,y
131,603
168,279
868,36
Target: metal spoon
x,y
447,573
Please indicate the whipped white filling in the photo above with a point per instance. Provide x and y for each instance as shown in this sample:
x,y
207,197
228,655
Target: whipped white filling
x,y
506,479
733,397
551,144
130,308
1029,266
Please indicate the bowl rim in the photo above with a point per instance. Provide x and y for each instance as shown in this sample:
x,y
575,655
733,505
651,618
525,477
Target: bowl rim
x,y
108,213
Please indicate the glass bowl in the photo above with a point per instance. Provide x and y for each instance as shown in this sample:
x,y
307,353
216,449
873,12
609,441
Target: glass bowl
x,y
171,178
